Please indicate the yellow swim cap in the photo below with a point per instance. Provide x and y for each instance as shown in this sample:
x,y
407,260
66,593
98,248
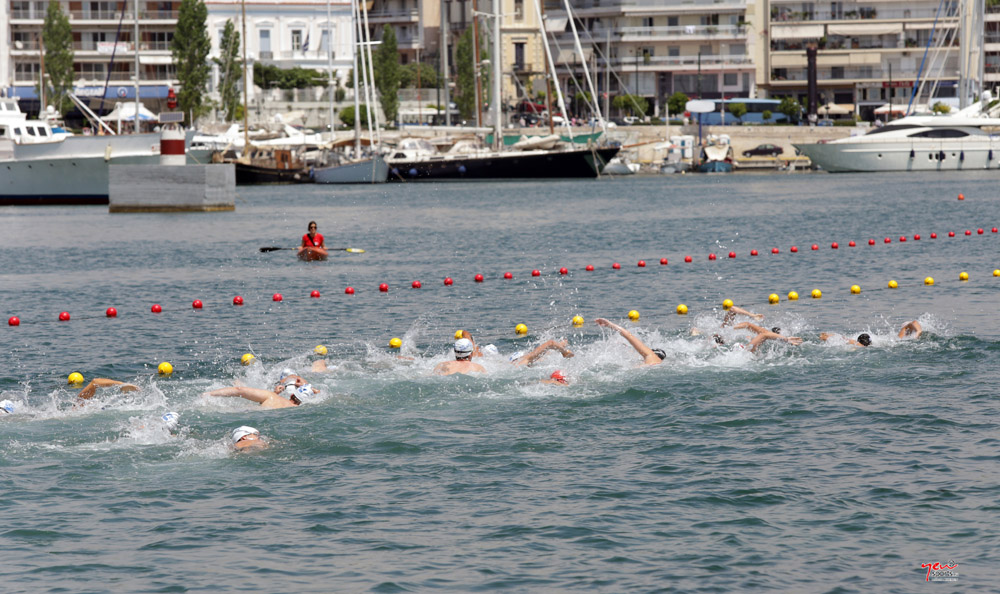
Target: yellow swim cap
x,y
247,359
459,333
320,350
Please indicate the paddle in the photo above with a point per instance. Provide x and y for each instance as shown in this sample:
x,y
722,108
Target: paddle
x,y
348,250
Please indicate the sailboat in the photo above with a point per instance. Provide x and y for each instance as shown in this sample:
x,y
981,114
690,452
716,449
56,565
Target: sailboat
x,y
497,163
357,169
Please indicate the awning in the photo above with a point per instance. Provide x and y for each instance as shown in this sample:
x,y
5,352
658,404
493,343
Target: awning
x,y
126,112
832,109
555,24
796,31
865,29
570,56
900,108
114,92
143,59
930,25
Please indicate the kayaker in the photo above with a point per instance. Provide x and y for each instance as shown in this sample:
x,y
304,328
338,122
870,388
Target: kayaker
x,y
312,238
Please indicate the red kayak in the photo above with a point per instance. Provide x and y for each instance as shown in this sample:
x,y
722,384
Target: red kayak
x,y
312,253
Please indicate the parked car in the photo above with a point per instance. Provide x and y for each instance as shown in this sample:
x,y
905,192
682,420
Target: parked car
x,y
767,150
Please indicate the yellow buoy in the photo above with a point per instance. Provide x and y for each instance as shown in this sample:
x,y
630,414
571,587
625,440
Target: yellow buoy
x,y
577,321
773,298
817,294
996,272
855,289
929,281
727,304
165,368
964,276
893,284
459,334
320,350
395,343
793,296
682,309
247,358
633,315
520,329
75,378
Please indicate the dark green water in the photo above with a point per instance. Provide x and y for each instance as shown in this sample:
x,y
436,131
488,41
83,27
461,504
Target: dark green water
x,y
818,468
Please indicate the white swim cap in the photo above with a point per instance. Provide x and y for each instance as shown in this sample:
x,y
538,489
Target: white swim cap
x,y
170,420
7,406
491,349
516,356
463,347
303,392
241,432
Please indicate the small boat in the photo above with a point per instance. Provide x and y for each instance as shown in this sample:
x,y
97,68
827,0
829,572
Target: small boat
x,y
310,254
716,158
620,166
373,170
270,166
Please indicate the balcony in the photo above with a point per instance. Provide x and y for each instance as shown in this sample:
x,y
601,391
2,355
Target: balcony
x,y
783,15
596,8
381,17
37,15
799,76
691,32
647,63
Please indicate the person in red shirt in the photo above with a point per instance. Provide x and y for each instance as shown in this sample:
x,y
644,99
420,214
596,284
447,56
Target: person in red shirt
x,y
312,238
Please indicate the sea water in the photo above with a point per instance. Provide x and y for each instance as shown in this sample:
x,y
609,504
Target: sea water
x,y
817,468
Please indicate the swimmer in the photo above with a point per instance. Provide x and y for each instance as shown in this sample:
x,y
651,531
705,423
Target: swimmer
x,y
463,360
476,352
649,356
557,378
300,391
549,345
101,382
734,310
863,339
171,421
247,438
910,329
319,364
763,335
6,407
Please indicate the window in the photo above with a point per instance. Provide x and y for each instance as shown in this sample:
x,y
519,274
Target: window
x,y
730,79
647,22
673,21
222,33
705,50
519,56
674,50
737,49
518,10
836,72
296,40
264,37
324,42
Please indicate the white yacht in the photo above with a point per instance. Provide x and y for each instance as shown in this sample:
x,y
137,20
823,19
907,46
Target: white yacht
x,y
964,140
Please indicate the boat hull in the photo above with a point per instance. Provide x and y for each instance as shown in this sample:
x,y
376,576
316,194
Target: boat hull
x,y
255,175
715,167
310,254
578,163
926,156
369,171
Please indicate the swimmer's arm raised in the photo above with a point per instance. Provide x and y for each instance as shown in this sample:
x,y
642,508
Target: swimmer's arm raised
x,y
911,328
637,344
534,355
102,382
253,394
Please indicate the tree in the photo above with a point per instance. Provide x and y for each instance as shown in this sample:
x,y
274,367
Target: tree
x,y
386,62
230,71
190,49
790,107
634,104
346,115
269,75
677,103
57,36
766,115
408,76
738,110
581,97
466,83
940,108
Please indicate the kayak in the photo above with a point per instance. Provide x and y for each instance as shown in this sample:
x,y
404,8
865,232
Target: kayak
x,y
312,253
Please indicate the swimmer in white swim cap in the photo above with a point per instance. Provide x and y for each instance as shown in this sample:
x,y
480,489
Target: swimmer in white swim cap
x,y
290,384
171,421
464,348
247,438
6,407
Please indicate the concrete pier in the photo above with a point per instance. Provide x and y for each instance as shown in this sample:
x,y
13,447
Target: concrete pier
x,y
167,188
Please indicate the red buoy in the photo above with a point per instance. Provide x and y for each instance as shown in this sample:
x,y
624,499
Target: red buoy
x,y
871,242
814,247
563,270
967,232
916,237
237,300
834,245
961,196
349,291
887,240
951,234
415,284
478,278
616,266
902,239
663,261
276,297
775,250
852,244
933,235
111,312
383,288
156,308
993,230
589,268
508,275
979,231
711,256
641,264
197,304
64,316
448,282
536,273
753,252
688,259
314,294
794,249
14,321
732,254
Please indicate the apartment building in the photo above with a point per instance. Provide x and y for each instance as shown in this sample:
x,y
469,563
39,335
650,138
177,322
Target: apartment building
x,y
655,48
869,52
101,52
416,23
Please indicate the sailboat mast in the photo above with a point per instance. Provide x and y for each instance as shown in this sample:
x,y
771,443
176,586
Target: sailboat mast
x,y
135,44
497,74
586,71
371,75
552,69
329,69
357,81
477,65
246,83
